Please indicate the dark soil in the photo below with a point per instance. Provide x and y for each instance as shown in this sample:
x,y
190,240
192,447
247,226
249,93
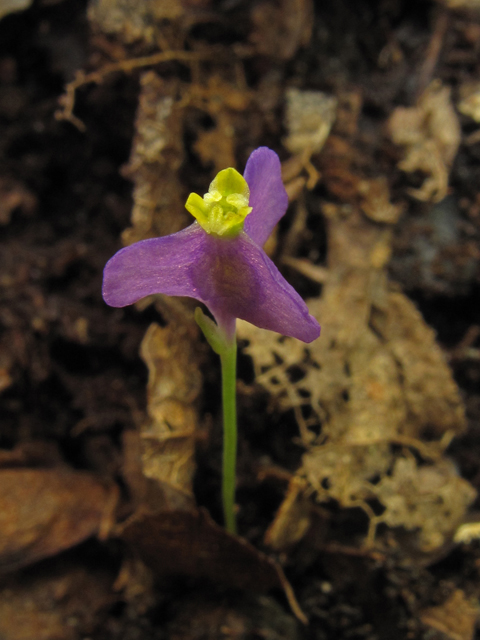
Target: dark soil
x,y
74,379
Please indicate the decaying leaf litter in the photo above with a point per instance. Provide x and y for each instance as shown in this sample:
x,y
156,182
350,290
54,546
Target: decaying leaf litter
x,y
371,408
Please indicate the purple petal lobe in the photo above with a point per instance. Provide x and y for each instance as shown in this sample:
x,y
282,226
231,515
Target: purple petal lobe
x,y
157,265
268,197
235,278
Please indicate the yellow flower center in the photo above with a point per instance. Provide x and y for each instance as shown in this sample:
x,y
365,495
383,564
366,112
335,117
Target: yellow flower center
x,y
223,209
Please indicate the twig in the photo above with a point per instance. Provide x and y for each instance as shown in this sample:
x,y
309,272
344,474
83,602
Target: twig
x,y
433,51
67,101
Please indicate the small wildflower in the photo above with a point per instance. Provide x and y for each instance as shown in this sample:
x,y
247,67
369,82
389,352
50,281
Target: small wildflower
x,y
219,259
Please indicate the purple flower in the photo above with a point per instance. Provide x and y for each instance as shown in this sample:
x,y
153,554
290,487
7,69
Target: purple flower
x,y
219,259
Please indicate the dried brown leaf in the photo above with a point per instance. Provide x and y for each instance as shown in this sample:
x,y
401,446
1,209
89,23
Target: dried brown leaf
x,y
217,96
154,162
190,543
44,511
168,439
133,22
430,133
280,28
12,6
375,201
375,378
456,618
469,103
462,5
217,146
431,498
225,103
309,119
292,520
431,395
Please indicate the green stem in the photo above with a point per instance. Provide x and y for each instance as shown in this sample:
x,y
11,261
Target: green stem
x,y
228,358
221,337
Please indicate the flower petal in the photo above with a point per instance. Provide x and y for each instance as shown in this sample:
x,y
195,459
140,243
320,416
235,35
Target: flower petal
x,y
235,278
268,197
157,265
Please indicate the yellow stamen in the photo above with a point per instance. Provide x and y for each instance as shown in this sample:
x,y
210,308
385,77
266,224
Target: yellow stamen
x,y
222,211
